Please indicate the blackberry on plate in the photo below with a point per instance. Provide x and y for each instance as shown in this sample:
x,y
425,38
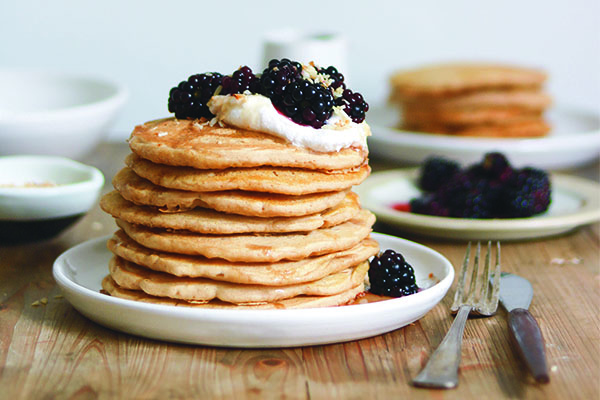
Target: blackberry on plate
x,y
435,171
241,80
527,194
489,189
391,275
189,98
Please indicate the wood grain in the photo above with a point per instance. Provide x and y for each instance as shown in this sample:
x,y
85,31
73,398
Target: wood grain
x,y
52,352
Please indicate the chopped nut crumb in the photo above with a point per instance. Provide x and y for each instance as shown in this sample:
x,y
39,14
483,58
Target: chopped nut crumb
x,y
35,303
59,296
44,300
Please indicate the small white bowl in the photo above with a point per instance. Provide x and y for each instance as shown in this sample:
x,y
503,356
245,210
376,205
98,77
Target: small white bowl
x,y
42,195
55,114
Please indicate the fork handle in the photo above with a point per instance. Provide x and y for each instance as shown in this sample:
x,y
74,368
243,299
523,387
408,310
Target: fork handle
x,y
441,370
526,333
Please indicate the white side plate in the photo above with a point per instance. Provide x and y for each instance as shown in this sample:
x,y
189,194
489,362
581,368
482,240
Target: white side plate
x,y
575,202
573,141
79,272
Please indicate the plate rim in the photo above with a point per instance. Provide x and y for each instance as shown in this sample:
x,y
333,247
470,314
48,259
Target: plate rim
x,y
587,189
196,315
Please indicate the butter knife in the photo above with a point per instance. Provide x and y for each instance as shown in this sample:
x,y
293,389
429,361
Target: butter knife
x,y
516,294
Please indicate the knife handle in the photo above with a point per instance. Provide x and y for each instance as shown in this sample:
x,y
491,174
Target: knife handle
x,y
526,332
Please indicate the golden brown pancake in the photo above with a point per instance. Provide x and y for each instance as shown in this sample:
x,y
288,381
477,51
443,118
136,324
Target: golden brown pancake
x,y
213,222
282,180
272,274
258,204
133,277
446,79
255,247
192,144
109,285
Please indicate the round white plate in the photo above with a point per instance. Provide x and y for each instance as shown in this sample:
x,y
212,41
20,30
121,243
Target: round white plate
x,y
79,272
575,202
573,141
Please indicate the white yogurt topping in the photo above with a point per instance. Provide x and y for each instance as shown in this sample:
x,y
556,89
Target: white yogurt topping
x,y
256,112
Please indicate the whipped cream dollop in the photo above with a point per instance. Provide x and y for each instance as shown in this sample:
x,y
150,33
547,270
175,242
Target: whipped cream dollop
x,y
256,112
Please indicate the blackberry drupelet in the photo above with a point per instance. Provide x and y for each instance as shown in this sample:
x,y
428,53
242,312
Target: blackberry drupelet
x,y
436,171
391,275
241,80
189,98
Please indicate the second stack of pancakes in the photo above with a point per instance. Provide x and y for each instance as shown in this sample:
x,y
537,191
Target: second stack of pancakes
x,y
485,100
214,216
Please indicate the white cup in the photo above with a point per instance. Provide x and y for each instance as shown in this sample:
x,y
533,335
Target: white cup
x,y
324,49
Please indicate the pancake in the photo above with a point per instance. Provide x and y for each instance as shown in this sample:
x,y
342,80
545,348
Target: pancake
x,y
450,79
192,144
109,285
133,277
533,100
255,247
143,192
291,181
214,222
474,116
273,274
534,128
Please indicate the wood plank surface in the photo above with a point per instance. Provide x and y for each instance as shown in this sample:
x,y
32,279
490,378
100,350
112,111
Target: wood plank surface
x,y
52,352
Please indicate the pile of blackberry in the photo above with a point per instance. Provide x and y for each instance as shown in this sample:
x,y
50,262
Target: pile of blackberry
x,y
390,275
489,189
305,101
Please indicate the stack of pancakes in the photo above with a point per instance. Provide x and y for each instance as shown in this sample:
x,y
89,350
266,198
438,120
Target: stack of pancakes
x,y
220,217
472,100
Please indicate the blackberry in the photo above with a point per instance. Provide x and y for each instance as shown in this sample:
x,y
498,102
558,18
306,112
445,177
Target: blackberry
x,y
494,166
241,80
354,105
489,189
435,171
189,98
391,275
337,77
429,204
527,194
278,75
306,103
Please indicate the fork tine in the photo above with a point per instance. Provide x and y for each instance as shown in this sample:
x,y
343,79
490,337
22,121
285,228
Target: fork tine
x,y
496,286
460,288
473,286
485,293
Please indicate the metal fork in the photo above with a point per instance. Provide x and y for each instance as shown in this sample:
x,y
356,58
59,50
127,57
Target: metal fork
x,y
441,370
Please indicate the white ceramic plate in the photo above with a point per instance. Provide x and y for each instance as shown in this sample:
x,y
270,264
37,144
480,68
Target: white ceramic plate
x,y
573,141
575,202
79,272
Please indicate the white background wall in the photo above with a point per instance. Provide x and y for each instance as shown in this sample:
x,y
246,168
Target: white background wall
x,y
151,45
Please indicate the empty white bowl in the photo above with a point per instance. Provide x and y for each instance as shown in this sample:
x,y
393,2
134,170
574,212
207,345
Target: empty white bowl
x,y
42,195
55,114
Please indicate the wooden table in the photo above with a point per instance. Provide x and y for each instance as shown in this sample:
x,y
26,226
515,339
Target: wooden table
x,y
51,351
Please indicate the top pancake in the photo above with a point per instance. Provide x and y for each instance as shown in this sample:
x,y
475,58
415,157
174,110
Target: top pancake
x,y
445,79
189,143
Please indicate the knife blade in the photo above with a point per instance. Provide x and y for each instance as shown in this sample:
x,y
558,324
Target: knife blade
x,y
516,294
